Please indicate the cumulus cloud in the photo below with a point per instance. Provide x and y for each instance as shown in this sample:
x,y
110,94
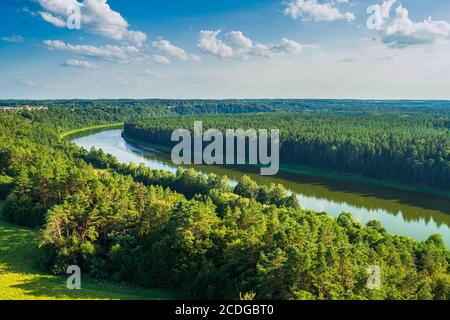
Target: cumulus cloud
x,y
78,64
174,51
312,9
159,59
209,43
13,39
380,13
238,39
286,47
97,17
401,32
111,53
122,54
235,45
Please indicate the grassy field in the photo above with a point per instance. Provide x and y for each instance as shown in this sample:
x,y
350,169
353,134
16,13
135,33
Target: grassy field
x,y
20,278
68,134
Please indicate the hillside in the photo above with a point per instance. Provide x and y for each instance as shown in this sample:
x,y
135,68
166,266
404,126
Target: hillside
x,y
20,278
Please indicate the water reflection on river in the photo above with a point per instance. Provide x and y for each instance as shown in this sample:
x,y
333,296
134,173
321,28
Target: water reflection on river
x,y
403,213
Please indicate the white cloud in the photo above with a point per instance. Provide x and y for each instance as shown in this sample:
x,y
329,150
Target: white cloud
x,y
236,45
238,39
174,51
401,32
380,13
25,9
78,63
13,39
317,11
286,47
159,59
209,43
97,17
122,54
57,22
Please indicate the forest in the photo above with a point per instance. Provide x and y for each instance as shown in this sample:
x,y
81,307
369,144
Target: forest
x,y
194,233
398,147
233,106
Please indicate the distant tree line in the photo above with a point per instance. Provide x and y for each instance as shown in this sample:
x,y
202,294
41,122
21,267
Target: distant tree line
x,y
232,106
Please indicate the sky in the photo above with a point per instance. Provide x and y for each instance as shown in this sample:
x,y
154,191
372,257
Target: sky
x,y
360,49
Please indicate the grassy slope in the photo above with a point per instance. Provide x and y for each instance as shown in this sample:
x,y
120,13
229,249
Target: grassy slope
x,y
116,125
20,278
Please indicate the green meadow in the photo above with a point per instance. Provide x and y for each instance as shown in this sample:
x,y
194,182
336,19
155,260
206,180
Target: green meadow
x,y
20,278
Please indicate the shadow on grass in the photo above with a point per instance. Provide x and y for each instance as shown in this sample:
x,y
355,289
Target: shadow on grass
x,y
51,287
20,277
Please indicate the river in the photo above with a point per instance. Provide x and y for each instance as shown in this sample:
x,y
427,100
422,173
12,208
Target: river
x,y
403,213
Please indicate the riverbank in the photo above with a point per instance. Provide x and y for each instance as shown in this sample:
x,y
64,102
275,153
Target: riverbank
x,y
401,212
162,150
86,130
346,177
313,172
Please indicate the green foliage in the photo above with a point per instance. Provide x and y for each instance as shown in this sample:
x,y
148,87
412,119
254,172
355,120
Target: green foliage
x,y
6,184
408,149
248,296
192,233
22,279
76,114
232,106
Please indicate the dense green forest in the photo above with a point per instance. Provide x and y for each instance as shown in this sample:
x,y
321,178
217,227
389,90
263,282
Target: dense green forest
x,y
194,233
74,117
399,147
185,107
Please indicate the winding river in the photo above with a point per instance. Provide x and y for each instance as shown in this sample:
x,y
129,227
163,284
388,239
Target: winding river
x,y
403,213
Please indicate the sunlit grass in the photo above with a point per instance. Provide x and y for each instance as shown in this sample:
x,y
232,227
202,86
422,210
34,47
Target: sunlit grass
x,y
85,130
20,278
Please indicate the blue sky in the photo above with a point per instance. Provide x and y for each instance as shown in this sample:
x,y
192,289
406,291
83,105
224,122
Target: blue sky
x,y
225,49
